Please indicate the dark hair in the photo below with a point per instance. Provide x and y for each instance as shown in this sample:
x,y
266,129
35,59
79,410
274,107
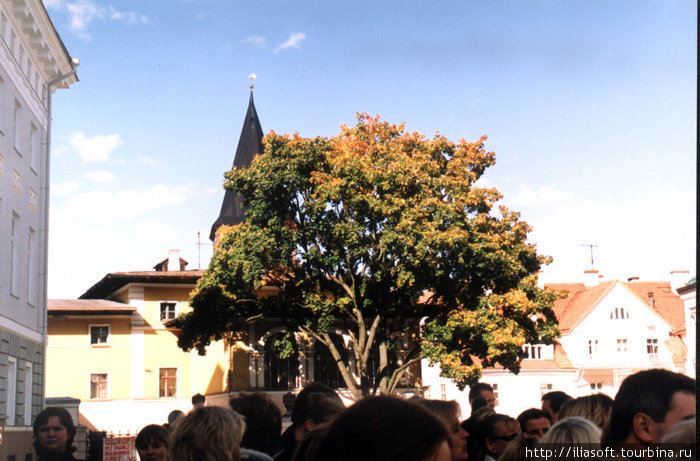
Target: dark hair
x,y
301,403
382,429
649,392
308,445
478,402
263,421
66,421
492,421
532,413
151,433
322,408
556,399
476,389
198,398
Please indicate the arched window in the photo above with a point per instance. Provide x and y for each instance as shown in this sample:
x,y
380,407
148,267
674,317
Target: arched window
x,y
619,313
325,369
280,373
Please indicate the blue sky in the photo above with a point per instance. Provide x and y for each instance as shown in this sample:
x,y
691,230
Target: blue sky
x,y
590,107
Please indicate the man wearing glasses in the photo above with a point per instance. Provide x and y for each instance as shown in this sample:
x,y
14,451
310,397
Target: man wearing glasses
x,y
499,430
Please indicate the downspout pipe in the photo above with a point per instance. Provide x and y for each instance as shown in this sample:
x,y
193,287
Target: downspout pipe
x,y
44,228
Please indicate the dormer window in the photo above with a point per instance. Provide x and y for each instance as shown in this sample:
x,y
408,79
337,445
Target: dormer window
x,y
619,313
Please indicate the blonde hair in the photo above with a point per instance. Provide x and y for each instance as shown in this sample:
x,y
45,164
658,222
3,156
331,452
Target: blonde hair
x,y
207,434
573,430
595,408
517,449
446,410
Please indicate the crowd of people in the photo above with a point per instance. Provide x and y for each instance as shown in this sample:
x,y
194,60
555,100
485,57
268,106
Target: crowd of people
x,y
651,417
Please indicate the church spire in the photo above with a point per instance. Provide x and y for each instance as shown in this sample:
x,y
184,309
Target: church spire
x,y
249,145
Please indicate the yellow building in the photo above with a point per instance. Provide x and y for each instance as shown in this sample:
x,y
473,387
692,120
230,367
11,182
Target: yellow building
x,y
113,350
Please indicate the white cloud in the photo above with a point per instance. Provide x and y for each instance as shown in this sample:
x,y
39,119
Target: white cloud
x,y
95,149
100,176
544,196
254,40
292,42
84,12
65,188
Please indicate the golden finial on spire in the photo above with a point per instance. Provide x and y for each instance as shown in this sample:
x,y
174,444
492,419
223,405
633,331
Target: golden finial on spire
x,y
252,77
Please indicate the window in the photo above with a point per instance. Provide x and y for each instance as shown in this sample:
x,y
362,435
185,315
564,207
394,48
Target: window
x,y
621,346
34,148
11,390
325,368
653,348
281,373
14,255
544,388
532,352
619,313
28,394
592,347
167,311
596,386
16,120
98,386
33,274
167,382
443,392
99,335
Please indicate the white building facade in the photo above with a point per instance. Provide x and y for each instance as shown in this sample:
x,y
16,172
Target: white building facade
x,y
33,64
609,331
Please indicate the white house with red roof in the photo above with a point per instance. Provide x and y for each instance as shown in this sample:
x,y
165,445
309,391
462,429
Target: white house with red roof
x,y
609,331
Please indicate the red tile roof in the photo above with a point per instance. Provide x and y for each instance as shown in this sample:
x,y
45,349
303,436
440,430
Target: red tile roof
x,y
570,311
679,351
87,307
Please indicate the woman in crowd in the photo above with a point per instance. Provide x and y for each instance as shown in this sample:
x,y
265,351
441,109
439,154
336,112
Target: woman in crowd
x,y
207,434
263,420
449,412
595,408
385,429
53,435
152,443
573,430
519,449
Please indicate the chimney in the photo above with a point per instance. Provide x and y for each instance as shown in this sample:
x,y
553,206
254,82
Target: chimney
x,y
679,279
650,297
633,278
591,278
173,260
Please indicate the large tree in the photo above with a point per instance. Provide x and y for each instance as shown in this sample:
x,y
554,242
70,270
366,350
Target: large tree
x,y
381,233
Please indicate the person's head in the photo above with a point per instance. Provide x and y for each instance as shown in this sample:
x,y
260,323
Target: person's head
x,y
572,430
308,445
552,402
321,409
648,404
534,422
595,408
198,400
300,409
484,390
478,402
173,416
54,431
449,412
498,431
518,449
385,429
207,433
152,443
263,421
680,438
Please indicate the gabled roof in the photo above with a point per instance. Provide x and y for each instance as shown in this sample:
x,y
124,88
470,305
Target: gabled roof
x,y
570,311
249,145
88,307
114,281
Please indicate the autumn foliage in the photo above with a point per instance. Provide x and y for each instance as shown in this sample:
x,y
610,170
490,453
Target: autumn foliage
x,y
378,233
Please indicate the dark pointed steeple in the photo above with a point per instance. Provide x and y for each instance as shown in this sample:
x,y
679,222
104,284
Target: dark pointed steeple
x,y
249,145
